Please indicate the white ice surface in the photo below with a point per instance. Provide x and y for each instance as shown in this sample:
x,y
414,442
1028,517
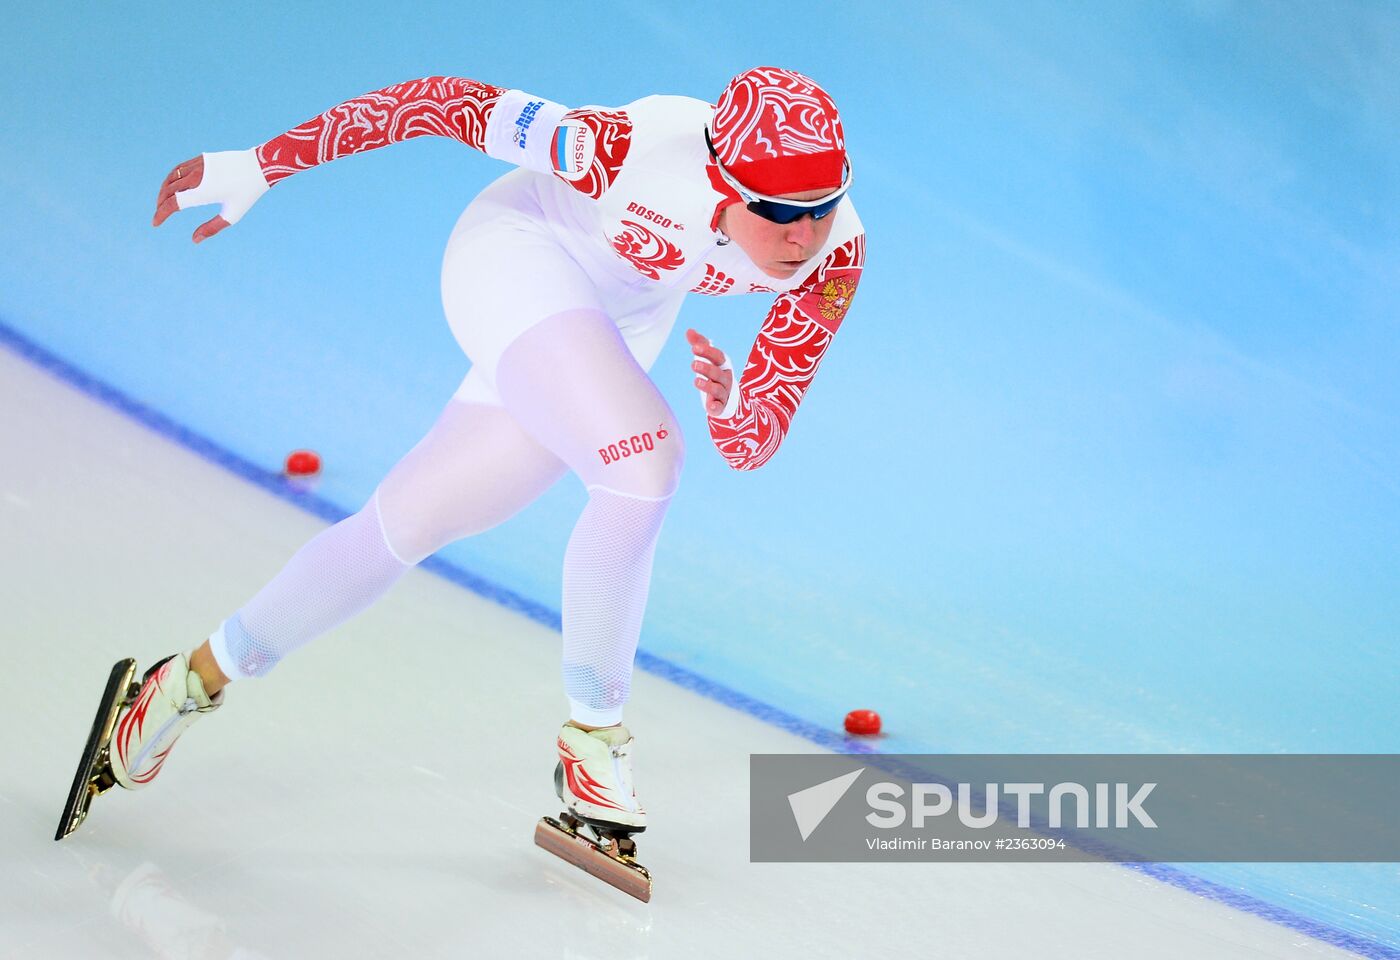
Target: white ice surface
x,y
375,796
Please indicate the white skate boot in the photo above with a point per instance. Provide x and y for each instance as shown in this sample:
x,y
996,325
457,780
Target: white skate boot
x,y
594,778
172,697
135,727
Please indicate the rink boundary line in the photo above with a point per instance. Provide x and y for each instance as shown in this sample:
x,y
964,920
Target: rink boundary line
x,y
276,484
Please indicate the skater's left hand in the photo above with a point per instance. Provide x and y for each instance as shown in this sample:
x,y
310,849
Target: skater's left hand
x,y
713,380
185,176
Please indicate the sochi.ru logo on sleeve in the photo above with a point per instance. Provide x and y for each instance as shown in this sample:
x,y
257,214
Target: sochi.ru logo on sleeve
x,y
522,122
891,806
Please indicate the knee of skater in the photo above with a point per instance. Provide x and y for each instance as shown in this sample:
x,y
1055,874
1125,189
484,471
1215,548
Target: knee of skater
x,y
408,534
662,475
640,466
410,543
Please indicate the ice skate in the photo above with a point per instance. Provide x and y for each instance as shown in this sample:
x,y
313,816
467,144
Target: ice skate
x,y
594,779
129,749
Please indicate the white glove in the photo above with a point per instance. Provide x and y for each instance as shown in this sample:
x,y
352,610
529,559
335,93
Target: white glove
x,y
232,178
731,405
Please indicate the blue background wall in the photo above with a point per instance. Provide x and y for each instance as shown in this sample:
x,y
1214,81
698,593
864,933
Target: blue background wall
x,y
1105,458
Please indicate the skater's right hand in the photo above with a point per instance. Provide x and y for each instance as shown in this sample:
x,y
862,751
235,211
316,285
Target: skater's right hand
x,y
232,179
714,376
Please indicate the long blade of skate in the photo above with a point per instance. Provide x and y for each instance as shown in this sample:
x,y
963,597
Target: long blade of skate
x,y
622,872
84,789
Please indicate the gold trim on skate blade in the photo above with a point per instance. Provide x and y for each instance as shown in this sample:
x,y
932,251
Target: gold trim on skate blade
x,y
94,776
611,858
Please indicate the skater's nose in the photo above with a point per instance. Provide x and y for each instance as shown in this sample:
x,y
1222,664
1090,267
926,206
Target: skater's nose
x,y
801,232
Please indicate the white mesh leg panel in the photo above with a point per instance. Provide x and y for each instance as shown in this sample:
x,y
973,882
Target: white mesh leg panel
x,y
337,574
607,573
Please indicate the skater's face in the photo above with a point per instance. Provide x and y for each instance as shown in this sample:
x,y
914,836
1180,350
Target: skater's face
x,y
778,249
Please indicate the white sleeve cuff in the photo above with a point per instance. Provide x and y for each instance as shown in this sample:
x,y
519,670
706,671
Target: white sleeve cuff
x,y
521,129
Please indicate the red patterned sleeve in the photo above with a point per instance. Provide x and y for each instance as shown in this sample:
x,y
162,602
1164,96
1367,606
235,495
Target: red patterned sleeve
x,y
794,337
433,106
